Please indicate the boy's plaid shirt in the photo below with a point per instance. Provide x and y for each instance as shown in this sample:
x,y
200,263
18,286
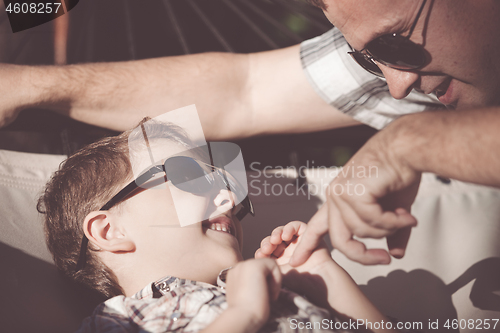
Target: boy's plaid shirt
x,y
178,305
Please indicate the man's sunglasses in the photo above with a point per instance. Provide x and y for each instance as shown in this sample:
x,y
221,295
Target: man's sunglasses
x,y
392,50
187,174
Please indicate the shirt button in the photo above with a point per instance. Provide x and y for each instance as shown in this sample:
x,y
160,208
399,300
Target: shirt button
x,y
164,287
176,315
444,180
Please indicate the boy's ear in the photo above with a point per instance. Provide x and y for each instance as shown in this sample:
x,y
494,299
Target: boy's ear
x,y
102,229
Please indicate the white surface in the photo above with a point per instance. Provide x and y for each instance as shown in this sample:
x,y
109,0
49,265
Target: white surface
x,y
459,226
22,179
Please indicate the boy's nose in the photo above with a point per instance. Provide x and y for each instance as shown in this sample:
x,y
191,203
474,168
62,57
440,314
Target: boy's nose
x,y
400,82
224,200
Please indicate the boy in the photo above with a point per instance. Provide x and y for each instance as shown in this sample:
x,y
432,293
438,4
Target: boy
x,y
118,239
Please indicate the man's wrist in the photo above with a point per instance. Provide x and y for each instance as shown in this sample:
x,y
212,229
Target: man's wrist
x,y
46,85
29,85
17,87
401,142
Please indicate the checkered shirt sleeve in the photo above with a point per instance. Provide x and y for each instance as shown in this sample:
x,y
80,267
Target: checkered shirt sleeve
x,y
343,84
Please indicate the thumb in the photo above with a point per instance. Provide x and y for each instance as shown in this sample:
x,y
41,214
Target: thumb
x,y
317,227
398,242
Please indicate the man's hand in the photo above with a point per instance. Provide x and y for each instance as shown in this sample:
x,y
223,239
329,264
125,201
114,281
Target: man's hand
x,y
370,198
7,116
251,286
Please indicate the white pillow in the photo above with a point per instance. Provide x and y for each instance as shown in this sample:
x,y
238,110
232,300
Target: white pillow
x,y
35,298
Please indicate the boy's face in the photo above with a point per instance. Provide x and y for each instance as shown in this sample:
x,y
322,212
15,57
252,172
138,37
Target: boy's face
x,y
198,251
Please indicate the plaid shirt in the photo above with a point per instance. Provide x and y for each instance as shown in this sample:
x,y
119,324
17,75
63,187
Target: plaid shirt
x,y
345,85
179,305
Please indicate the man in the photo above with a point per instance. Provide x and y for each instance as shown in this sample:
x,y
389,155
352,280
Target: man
x,y
458,144
267,93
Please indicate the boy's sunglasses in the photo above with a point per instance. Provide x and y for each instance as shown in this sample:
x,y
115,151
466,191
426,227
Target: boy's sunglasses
x,y
187,174
392,50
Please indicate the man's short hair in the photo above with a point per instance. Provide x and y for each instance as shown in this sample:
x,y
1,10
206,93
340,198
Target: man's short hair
x,y
84,183
318,3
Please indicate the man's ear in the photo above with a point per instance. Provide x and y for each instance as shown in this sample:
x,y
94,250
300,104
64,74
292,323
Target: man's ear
x,y
102,229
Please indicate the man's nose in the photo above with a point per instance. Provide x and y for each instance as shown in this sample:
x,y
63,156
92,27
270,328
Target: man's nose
x,y
400,82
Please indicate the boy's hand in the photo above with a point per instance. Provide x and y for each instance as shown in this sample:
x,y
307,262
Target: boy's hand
x,y
283,242
250,287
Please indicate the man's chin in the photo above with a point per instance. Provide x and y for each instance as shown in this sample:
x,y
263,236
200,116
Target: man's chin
x,y
474,102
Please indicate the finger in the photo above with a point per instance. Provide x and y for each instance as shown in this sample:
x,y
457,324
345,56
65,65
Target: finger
x,y
342,240
265,240
259,255
266,247
369,211
352,214
398,242
279,250
276,236
316,229
357,251
401,211
292,230
354,223
289,232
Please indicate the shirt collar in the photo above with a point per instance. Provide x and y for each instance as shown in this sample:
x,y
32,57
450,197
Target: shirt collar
x,y
166,284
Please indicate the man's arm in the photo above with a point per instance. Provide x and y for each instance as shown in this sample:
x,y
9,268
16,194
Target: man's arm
x,y
462,145
236,95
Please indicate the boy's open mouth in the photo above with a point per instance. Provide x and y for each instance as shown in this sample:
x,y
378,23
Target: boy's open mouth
x,y
220,223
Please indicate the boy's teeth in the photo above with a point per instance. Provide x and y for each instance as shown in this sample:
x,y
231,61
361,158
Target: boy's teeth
x,y
219,227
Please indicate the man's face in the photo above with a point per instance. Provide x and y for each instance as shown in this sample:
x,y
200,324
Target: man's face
x,y
460,36
197,251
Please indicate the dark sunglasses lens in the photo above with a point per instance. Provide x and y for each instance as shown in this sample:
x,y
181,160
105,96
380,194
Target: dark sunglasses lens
x,y
187,175
367,64
397,52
